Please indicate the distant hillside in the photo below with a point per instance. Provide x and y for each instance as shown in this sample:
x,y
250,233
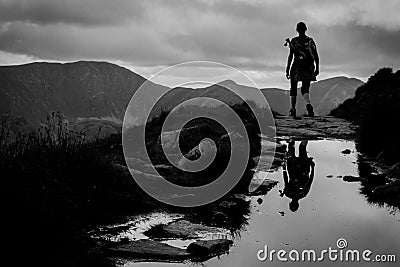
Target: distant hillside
x,y
88,90
325,95
78,90
376,108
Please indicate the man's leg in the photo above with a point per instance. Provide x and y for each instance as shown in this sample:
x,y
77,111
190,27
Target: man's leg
x,y
293,96
290,156
306,97
293,100
291,149
303,149
305,90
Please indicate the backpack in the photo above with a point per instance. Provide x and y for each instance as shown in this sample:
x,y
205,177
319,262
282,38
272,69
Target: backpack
x,y
303,50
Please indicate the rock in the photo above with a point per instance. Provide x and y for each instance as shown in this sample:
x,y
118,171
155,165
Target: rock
x,y
280,155
140,165
350,178
300,132
219,217
180,229
389,155
209,247
390,190
394,171
259,200
240,197
281,147
205,147
192,161
169,141
227,204
268,146
346,151
315,128
263,188
277,162
265,162
237,141
147,249
163,167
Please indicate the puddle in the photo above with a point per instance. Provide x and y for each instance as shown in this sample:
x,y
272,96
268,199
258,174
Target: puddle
x,y
331,209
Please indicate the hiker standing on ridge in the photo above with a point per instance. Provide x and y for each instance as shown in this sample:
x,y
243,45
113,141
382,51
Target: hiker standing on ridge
x,y
305,53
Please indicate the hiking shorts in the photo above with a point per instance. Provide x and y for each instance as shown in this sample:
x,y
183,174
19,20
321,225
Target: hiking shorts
x,y
305,87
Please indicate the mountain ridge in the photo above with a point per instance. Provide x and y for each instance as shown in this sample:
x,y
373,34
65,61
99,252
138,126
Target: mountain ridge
x,y
101,90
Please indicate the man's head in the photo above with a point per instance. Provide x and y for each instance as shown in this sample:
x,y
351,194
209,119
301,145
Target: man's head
x,y
301,27
294,205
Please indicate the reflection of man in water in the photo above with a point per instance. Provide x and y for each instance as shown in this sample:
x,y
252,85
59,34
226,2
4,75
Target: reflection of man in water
x,y
301,174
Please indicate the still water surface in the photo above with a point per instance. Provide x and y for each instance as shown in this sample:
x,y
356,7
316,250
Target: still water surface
x,y
331,210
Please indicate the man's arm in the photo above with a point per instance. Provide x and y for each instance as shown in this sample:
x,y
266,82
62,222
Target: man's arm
x,y
311,176
285,177
289,62
307,185
316,58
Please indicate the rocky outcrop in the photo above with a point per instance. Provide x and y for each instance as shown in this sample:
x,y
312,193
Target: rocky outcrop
x,y
261,188
150,250
209,247
147,249
388,193
376,109
390,190
199,156
394,171
180,229
315,128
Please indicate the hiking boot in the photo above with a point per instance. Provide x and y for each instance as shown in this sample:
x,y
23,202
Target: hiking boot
x,y
292,112
310,110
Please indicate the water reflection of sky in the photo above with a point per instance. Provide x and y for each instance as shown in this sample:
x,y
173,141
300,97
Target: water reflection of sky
x,y
333,209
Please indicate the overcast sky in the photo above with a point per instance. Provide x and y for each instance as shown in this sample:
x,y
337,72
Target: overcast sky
x,y
354,38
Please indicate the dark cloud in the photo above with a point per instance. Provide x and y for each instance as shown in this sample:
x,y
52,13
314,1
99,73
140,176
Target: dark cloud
x,y
358,49
87,12
353,37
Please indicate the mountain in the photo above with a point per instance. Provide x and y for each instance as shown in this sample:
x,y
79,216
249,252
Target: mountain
x,y
79,90
89,90
328,94
325,95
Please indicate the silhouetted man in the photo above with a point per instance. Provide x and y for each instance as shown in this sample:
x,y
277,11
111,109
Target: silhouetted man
x,y
301,174
305,53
